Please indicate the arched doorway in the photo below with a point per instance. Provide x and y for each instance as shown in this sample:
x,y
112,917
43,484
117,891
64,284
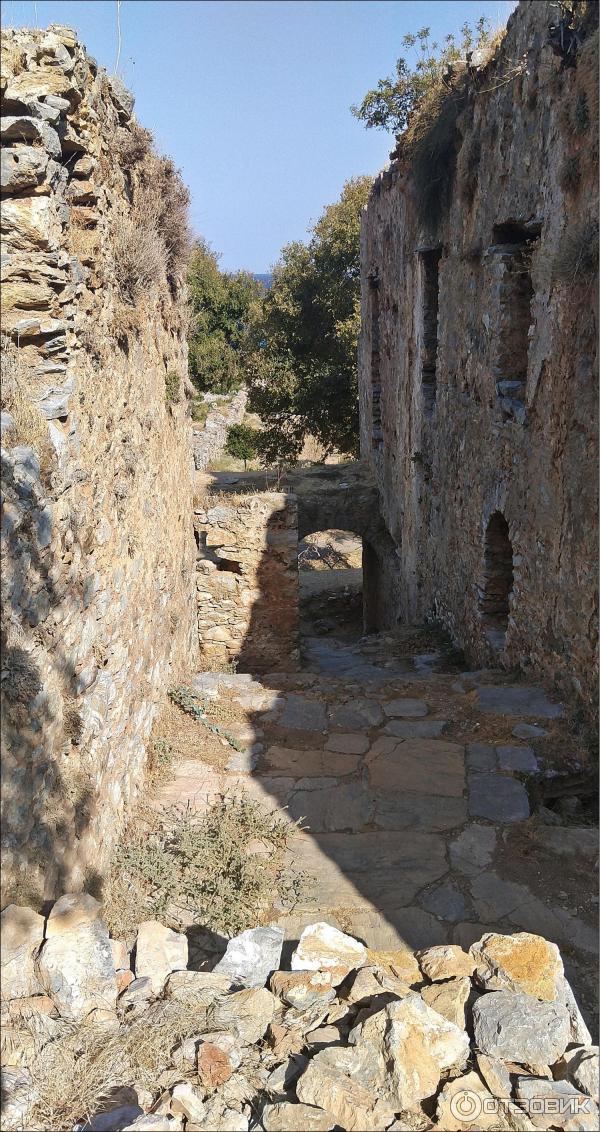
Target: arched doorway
x,y
330,576
497,580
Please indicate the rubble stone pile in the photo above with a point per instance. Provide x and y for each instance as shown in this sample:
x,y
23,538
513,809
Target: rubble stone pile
x,y
331,1036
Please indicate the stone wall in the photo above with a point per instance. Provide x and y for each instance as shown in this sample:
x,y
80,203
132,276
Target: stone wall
x,y
247,581
209,442
478,362
98,547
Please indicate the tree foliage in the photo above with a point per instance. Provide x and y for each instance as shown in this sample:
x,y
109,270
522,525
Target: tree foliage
x,y
302,371
394,99
242,442
222,304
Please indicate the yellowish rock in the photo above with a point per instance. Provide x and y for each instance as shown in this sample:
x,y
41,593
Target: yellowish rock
x,y
522,962
448,961
449,999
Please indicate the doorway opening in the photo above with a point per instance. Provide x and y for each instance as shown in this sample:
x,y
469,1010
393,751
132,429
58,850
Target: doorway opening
x,y
331,580
497,580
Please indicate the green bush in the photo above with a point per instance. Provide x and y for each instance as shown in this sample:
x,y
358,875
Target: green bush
x,y
172,386
242,442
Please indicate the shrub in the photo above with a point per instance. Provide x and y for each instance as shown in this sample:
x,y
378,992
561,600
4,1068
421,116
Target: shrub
x,y
139,255
133,145
172,386
162,201
200,411
393,102
242,442
577,256
203,866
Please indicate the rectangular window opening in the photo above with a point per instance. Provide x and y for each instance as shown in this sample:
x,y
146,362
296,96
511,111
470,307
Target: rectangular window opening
x,y
376,429
513,247
430,268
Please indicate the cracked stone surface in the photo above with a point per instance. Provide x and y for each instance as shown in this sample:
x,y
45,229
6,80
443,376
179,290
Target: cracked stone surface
x,y
447,902
405,708
497,798
530,701
415,729
517,758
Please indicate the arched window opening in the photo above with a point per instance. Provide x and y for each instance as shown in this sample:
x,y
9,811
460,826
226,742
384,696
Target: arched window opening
x,y
497,581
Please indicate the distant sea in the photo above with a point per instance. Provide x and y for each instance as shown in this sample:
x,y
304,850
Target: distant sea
x,y
267,279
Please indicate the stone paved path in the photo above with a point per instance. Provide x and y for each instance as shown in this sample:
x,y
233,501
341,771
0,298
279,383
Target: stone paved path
x,y
411,787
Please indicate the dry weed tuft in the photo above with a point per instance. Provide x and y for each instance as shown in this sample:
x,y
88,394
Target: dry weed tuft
x,y
576,259
133,145
74,1076
181,865
30,426
139,255
163,201
84,243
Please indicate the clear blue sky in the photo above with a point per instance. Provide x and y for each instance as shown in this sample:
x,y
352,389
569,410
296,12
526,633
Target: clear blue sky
x,y
251,99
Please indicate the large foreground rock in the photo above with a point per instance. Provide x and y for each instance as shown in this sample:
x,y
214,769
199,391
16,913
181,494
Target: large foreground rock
x,y
329,1082
321,946
158,952
76,969
252,956
552,1103
22,934
523,962
246,1013
517,1027
286,1117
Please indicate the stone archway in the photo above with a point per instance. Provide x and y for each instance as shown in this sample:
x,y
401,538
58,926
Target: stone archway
x,y
345,497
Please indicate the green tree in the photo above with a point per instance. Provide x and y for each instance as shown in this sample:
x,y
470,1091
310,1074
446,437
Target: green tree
x,y
242,442
394,99
221,305
302,370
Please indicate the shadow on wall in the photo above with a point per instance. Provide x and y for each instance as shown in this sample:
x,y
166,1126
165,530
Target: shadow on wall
x,y
47,797
361,842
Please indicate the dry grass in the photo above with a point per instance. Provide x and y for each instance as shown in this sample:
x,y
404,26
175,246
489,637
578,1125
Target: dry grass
x,y
162,201
576,260
30,426
133,145
183,867
75,1075
187,739
83,243
139,255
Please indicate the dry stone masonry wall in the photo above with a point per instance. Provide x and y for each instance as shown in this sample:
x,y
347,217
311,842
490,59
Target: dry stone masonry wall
x,y
210,441
247,581
96,458
478,362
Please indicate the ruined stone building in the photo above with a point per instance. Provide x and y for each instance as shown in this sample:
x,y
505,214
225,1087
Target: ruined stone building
x,y
478,360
